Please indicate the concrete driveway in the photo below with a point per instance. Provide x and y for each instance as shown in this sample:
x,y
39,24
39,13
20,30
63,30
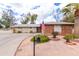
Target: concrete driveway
x,y
10,41
51,48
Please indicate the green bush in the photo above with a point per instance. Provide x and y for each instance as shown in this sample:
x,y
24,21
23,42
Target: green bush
x,y
43,38
31,31
55,34
19,31
71,36
14,31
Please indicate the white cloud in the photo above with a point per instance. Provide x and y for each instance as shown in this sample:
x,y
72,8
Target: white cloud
x,y
25,6
38,1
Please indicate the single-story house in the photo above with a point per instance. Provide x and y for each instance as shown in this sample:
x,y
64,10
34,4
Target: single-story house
x,y
62,27
27,28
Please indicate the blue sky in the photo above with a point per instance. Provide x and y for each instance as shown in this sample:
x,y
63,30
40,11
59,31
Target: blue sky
x,y
47,10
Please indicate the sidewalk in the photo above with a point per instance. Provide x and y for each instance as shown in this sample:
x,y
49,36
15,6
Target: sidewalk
x,y
25,49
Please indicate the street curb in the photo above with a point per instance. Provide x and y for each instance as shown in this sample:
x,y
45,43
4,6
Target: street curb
x,y
20,45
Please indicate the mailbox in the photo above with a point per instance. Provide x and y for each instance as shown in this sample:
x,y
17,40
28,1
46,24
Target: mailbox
x,y
38,40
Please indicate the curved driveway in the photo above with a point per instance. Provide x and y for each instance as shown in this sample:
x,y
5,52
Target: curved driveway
x,y
9,42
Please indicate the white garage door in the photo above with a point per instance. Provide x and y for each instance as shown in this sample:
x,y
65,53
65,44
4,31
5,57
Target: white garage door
x,y
57,28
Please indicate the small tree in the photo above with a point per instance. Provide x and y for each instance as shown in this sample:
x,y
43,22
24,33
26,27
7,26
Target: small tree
x,y
54,34
70,37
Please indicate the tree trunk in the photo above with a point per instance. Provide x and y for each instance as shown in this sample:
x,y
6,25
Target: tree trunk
x,y
76,25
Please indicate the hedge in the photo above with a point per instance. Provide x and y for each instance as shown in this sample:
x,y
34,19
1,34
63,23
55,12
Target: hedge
x,y
43,38
71,36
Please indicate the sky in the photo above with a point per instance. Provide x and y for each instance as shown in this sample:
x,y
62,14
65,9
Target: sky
x,y
46,10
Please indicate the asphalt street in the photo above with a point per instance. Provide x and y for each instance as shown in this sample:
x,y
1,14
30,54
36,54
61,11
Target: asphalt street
x,y
10,41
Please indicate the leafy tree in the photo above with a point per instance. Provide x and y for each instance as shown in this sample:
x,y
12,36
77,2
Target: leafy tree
x,y
25,21
7,18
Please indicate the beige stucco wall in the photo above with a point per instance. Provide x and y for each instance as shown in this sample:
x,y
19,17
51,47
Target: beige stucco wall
x,y
25,30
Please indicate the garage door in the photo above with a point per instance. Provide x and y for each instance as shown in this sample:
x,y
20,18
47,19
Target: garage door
x,y
57,28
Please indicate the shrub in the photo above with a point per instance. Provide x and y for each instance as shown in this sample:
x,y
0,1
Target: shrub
x,y
70,37
31,31
43,38
19,31
55,34
14,31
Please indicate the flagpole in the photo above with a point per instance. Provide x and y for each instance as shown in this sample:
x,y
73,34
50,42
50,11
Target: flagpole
x,y
43,27
34,46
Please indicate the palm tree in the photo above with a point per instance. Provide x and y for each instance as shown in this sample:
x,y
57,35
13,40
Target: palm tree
x,y
76,25
74,10
68,14
29,18
33,18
